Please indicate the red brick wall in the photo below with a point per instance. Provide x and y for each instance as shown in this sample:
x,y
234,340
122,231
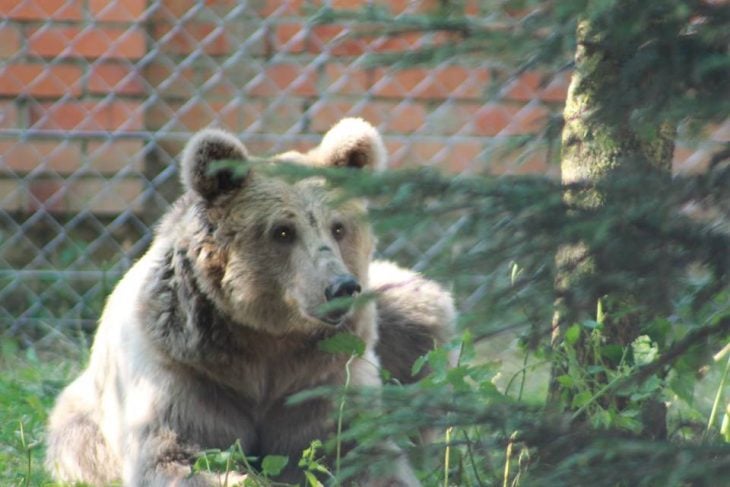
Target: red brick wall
x,y
67,82
97,97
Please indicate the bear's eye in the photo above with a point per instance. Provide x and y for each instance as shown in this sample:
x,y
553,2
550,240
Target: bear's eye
x,y
338,231
284,233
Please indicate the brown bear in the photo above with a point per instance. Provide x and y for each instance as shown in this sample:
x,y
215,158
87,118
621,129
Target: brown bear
x,y
208,334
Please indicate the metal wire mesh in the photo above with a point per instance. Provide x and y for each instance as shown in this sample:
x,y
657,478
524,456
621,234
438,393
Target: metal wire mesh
x,y
98,97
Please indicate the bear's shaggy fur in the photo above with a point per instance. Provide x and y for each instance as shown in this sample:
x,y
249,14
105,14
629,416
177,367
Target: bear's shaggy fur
x,y
209,333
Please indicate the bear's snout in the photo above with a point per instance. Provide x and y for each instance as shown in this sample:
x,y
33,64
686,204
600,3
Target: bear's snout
x,y
344,286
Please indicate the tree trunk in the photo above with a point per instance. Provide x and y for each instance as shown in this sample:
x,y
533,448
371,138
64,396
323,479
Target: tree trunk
x,y
614,159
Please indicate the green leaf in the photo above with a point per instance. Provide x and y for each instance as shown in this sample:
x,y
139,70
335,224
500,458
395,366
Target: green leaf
x,y
572,334
566,380
682,383
612,353
658,330
272,465
600,313
725,428
385,375
467,351
682,377
343,342
590,324
595,369
418,364
312,480
581,399
644,350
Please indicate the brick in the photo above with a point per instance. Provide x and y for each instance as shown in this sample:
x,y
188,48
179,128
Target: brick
x,y
491,119
184,117
341,41
114,156
532,118
720,132
401,43
325,113
290,78
473,7
108,42
348,4
87,115
221,83
171,81
42,9
174,10
440,83
557,90
161,113
411,7
453,157
680,160
397,152
347,79
9,41
291,143
336,40
262,147
170,9
268,8
249,37
186,38
217,88
459,82
280,117
399,83
40,80
252,113
461,155
452,119
521,162
515,10
524,88
117,10
11,195
47,194
103,197
389,117
288,37
8,115
115,78
692,159
63,157
532,85
404,118
228,115
221,7
169,148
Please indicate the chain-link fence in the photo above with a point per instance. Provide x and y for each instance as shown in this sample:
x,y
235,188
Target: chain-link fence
x,y
97,98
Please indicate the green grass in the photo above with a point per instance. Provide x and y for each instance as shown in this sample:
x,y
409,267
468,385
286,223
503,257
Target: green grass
x,y
31,380
29,384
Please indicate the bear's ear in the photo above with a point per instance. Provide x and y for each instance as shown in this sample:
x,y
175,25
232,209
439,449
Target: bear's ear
x,y
205,148
352,142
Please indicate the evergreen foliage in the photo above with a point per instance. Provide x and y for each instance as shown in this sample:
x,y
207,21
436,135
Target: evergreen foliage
x,y
644,302
649,267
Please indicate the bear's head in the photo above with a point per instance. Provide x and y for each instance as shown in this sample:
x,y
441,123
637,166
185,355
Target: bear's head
x,y
270,252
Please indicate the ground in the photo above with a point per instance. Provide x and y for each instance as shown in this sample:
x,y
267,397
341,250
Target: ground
x,y
30,381
29,384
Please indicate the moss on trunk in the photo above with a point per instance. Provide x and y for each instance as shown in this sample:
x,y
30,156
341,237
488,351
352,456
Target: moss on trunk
x,y
606,149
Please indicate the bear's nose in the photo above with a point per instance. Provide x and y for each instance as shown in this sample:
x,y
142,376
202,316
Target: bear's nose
x,y
342,287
